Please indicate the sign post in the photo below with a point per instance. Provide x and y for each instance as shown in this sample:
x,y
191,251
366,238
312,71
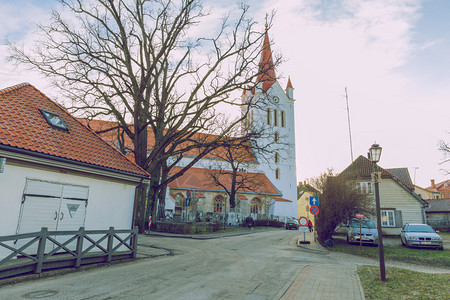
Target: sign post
x,y
303,222
360,217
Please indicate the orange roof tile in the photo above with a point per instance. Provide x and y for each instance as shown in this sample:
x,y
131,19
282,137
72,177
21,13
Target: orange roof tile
x,y
110,136
197,178
23,128
281,200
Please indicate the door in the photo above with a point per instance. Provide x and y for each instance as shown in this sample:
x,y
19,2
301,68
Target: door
x,y
59,207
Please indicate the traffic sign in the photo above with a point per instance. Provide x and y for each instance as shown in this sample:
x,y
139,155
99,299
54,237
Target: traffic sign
x,y
360,216
314,210
188,194
188,201
303,229
303,221
314,201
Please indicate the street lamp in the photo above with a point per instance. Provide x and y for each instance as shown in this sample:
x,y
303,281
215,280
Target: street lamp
x,y
375,154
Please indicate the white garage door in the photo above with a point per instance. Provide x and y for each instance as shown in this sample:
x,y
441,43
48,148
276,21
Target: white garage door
x,y
60,207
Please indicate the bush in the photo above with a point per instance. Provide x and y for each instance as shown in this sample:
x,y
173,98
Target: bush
x,y
184,228
269,223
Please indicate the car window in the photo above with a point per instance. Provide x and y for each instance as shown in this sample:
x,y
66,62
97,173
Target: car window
x,y
420,228
365,223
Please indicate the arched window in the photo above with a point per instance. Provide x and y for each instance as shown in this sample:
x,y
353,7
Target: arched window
x,y
218,204
275,117
276,137
179,200
277,157
255,206
269,119
277,173
283,119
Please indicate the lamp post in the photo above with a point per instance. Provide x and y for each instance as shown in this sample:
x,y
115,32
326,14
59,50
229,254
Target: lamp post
x,y
375,154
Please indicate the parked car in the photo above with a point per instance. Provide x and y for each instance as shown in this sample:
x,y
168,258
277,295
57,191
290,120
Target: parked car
x,y
369,233
292,224
420,235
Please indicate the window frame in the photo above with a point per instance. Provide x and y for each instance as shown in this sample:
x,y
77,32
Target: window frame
x,y
389,222
283,119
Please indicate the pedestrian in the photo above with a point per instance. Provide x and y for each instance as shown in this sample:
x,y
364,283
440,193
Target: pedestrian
x,y
310,226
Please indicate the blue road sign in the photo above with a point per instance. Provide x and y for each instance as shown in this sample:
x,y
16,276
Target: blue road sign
x,y
314,201
188,201
314,210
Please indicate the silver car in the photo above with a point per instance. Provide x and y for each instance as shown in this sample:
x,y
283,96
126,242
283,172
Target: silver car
x,y
420,235
368,233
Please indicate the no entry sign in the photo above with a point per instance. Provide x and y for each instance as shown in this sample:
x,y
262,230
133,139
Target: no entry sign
x,y
303,221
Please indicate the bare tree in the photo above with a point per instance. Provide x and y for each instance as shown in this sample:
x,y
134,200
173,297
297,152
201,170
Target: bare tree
x,y
147,63
444,147
339,199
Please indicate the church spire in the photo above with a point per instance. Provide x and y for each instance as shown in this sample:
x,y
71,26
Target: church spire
x,y
266,68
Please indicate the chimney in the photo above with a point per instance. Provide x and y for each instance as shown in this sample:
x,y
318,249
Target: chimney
x,y
300,183
304,182
433,185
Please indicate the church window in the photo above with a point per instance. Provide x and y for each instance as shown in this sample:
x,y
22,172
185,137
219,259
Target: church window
x,y
218,204
275,117
277,173
283,119
276,137
268,117
255,206
277,157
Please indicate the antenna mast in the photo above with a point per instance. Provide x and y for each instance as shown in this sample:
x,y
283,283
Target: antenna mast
x,y
349,129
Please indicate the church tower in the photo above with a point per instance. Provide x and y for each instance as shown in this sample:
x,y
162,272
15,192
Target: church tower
x,y
274,113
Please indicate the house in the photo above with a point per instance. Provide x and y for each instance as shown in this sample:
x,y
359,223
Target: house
x,y
57,173
275,196
398,202
438,214
304,192
443,188
426,194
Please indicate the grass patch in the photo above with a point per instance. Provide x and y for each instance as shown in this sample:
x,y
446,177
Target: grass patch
x,y
403,284
428,257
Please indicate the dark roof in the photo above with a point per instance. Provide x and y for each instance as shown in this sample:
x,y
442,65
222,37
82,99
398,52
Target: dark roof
x,y
305,188
438,206
402,174
362,167
24,129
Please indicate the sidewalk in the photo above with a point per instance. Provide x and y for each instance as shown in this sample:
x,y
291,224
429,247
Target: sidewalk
x,y
337,280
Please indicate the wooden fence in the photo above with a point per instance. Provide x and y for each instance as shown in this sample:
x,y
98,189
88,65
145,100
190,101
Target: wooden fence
x,y
39,251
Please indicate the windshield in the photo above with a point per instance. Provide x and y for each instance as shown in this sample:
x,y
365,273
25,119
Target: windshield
x,y
420,228
365,223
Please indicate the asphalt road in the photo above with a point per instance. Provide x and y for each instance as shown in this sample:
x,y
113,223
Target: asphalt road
x,y
262,265
255,266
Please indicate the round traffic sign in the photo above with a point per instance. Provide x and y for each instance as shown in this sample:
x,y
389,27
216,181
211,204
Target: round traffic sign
x,y
303,221
314,210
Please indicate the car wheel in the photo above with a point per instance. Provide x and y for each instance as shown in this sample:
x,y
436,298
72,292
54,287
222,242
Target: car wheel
x,y
441,248
348,241
403,244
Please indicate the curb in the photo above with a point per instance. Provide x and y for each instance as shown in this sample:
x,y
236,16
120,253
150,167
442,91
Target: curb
x,y
206,236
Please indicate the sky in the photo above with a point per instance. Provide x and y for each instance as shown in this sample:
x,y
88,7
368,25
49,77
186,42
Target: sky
x,y
393,56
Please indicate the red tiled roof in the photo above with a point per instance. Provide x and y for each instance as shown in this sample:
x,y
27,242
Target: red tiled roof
x,y
110,136
441,186
23,128
197,178
281,200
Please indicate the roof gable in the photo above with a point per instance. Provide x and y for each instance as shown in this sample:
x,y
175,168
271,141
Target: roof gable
x,y
23,128
362,167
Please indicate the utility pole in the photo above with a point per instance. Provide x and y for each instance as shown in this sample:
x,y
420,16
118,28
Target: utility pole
x,y
349,129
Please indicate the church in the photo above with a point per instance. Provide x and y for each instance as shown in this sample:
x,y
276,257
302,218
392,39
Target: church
x,y
194,197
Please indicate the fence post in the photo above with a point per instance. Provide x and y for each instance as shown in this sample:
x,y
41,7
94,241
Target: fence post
x,y
134,241
79,249
110,243
41,250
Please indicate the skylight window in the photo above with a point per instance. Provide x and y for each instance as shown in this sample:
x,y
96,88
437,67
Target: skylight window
x,y
54,120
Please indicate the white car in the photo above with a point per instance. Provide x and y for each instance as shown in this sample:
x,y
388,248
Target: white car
x,y
420,235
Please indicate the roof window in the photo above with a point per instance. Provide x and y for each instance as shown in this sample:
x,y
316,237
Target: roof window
x,y
54,120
